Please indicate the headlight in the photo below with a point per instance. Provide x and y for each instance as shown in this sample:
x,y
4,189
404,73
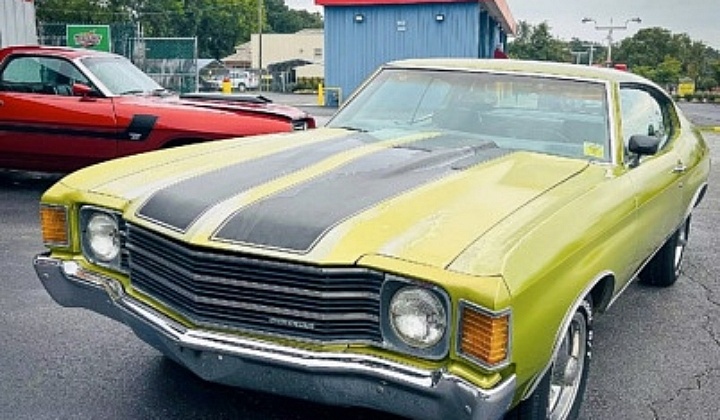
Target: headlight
x,y
417,317
101,236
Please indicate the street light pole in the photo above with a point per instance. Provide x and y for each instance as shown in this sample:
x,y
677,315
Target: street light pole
x,y
610,28
260,51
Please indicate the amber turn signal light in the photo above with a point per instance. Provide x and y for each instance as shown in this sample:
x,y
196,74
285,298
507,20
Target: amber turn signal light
x,y
53,222
484,337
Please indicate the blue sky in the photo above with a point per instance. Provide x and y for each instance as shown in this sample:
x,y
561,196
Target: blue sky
x,y
700,19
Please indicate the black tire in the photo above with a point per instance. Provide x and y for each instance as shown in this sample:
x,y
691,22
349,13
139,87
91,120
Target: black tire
x,y
663,269
560,392
241,87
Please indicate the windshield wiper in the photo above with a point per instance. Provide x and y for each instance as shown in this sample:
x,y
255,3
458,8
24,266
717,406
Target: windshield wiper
x,y
161,92
359,130
132,92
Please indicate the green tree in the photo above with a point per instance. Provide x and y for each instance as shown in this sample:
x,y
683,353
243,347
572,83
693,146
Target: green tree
x,y
669,71
648,47
283,20
664,57
537,43
219,25
81,11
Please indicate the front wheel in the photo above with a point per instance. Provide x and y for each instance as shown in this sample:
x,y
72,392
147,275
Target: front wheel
x,y
663,269
559,394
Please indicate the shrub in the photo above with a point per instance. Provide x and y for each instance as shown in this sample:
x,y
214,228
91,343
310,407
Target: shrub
x,y
307,84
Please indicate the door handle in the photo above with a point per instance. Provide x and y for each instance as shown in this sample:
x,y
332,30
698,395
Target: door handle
x,y
679,167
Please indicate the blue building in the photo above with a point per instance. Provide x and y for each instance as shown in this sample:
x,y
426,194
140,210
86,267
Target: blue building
x,y
360,35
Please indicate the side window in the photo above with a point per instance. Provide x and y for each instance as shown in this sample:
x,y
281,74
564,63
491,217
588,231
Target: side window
x,y
44,75
644,114
23,70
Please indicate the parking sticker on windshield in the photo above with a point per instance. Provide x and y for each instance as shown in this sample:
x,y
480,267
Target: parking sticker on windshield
x,y
593,150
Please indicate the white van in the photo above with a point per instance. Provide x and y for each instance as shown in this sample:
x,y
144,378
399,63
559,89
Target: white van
x,y
242,80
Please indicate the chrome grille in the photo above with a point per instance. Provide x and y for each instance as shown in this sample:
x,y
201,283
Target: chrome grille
x,y
269,296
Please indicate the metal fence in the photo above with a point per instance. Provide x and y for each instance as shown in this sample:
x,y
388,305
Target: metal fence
x,y
172,62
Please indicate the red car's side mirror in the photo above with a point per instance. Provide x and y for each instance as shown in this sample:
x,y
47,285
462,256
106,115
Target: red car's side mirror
x,y
79,89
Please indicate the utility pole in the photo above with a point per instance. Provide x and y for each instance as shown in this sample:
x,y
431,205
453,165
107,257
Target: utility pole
x,y
610,28
260,43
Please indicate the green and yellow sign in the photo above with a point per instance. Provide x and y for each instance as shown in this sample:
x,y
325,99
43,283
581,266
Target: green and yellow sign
x,y
686,87
94,37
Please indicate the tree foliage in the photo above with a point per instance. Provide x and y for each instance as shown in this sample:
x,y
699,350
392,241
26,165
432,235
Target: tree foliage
x,y
219,25
537,43
655,53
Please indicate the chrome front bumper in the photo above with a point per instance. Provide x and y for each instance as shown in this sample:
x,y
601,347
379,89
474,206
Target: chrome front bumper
x,y
333,378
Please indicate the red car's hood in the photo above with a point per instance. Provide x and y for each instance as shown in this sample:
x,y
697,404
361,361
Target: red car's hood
x,y
242,103
230,103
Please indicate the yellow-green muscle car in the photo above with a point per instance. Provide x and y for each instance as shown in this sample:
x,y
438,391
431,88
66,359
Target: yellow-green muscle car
x,y
438,250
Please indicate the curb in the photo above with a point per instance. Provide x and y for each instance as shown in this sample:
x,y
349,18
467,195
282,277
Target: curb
x,y
715,129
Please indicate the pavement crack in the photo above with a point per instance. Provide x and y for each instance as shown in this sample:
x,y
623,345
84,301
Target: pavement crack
x,y
699,381
709,293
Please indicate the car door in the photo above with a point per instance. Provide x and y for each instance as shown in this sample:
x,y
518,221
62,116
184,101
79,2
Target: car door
x,y
44,127
659,179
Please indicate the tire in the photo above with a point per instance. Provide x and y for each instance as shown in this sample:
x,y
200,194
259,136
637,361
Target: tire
x,y
560,392
241,87
663,269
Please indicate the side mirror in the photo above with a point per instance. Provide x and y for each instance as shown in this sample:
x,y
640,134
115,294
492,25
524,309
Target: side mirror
x,y
640,145
79,89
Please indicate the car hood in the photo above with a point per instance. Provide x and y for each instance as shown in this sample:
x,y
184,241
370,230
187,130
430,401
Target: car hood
x,y
228,103
333,196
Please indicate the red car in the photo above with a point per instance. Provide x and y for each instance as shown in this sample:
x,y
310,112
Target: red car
x,y
62,109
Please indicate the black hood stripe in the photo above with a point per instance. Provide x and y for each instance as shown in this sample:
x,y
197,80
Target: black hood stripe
x,y
296,218
179,205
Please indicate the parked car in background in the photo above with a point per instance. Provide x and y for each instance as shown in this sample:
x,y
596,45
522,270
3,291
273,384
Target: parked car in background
x,y
62,109
240,80
439,250
243,80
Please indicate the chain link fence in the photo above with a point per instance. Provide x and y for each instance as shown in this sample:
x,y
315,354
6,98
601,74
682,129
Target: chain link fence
x,y
172,62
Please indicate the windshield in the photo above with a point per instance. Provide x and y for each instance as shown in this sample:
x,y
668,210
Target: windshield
x,y
120,76
519,112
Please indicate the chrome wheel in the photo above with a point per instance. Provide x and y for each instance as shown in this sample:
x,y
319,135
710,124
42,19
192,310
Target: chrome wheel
x,y
663,269
568,368
680,244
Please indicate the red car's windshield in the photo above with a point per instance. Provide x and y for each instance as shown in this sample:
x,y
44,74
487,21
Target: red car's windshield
x,y
120,76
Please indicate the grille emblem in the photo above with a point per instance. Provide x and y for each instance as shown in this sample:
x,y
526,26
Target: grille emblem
x,y
290,323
